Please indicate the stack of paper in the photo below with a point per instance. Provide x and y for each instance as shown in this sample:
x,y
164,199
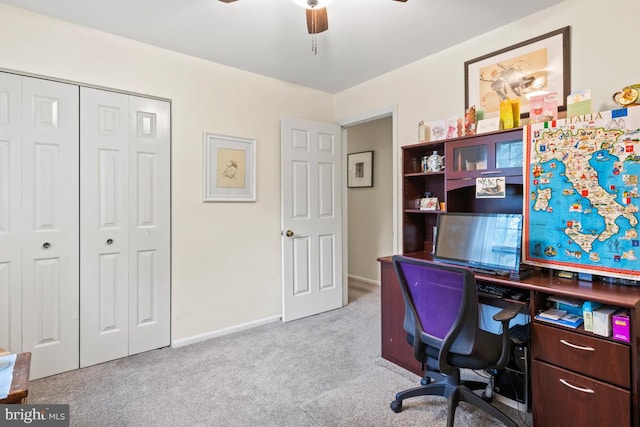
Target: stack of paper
x,y
553,313
560,317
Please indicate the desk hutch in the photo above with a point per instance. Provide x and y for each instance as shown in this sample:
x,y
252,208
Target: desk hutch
x,y
577,377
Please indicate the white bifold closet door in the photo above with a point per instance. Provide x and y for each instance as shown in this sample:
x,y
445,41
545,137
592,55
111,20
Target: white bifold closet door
x,y
39,207
84,223
125,225
10,212
50,225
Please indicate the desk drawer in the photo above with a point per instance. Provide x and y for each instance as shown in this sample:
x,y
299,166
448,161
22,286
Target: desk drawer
x,y
595,357
563,398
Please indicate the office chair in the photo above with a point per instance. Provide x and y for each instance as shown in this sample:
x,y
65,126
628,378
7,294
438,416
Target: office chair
x,y
441,320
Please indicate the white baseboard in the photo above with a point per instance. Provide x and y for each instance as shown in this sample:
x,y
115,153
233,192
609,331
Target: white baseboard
x,y
510,402
364,280
225,331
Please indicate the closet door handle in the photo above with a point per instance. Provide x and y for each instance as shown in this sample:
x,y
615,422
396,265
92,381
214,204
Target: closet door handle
x,y
46,245
109,241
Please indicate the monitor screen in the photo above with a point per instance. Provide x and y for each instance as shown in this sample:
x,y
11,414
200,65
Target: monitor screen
x,y
485,241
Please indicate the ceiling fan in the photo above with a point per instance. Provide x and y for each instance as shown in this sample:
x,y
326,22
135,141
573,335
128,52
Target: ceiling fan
x,y
317,21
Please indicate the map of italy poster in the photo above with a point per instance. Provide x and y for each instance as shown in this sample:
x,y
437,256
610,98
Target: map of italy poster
x,y
581,193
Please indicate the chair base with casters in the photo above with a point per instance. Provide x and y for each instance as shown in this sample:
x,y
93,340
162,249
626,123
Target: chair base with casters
x,y
455,390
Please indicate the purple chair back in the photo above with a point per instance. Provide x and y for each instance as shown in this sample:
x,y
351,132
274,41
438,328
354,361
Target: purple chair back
x,y
443,299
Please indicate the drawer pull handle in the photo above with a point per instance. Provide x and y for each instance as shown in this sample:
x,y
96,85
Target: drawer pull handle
x,y
579,347
584,390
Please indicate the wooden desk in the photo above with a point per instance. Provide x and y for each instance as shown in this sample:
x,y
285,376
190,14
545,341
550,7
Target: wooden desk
x,y
20,384
608,372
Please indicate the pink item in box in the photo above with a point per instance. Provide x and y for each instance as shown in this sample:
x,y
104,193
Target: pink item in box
x,y
620,323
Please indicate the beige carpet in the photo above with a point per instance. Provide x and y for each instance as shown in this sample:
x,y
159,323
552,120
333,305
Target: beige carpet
x,y
358,403
321,371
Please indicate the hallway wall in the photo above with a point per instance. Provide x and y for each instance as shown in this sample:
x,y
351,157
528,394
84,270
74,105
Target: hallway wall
x,y
370,221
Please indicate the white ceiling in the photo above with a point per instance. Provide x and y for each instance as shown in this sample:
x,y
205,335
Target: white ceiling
x,y
366,38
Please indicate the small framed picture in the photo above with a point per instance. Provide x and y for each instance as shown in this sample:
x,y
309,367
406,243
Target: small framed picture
x,y
429,204
360,169
229,169
490,187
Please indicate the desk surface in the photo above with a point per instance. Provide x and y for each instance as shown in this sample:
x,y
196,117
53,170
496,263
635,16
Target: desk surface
x,y
20,384
543,281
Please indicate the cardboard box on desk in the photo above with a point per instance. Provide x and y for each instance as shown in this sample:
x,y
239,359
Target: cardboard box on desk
x,y
602,320
587,314
620,322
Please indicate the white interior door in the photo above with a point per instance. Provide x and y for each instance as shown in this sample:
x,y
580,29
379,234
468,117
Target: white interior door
x,y
311,181
149,224
50,274
10,213
104,230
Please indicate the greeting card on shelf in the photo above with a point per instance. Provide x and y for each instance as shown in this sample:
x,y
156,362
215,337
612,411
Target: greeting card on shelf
x,y
579,103
543,108
488,125
470,121
452,127
423,131
438,130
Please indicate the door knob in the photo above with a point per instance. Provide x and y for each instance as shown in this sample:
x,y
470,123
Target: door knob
x,y
109,241
289,233
46,245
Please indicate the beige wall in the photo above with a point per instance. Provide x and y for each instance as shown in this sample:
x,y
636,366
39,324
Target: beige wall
x,y
226,257
370,218
603,59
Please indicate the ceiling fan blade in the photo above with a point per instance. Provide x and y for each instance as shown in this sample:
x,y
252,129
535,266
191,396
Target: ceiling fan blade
x,y
317,20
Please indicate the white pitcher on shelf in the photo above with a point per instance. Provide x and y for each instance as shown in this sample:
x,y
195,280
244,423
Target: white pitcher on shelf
x,y
435,162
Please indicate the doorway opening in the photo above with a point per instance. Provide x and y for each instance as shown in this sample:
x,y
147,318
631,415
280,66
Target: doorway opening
x,y
370,213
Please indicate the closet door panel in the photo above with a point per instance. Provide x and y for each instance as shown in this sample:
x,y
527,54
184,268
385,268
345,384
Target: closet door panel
x,y
149,210
10,213
50,253
104,227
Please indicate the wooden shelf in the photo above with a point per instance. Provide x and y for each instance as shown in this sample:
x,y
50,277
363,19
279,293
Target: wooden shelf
x,y
454,187
419,174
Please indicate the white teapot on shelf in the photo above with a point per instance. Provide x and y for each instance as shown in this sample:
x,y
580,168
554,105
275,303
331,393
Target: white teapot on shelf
x,y
435,162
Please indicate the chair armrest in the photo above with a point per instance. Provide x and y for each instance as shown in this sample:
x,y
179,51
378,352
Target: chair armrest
x,y
504,316
507,313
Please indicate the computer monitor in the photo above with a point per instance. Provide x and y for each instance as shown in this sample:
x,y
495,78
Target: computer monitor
x,y
483,241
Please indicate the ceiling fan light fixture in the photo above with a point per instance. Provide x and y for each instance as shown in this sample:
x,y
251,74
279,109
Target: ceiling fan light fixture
x,y
312,4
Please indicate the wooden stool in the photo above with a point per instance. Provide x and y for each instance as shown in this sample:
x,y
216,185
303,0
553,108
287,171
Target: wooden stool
x,y
20,383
